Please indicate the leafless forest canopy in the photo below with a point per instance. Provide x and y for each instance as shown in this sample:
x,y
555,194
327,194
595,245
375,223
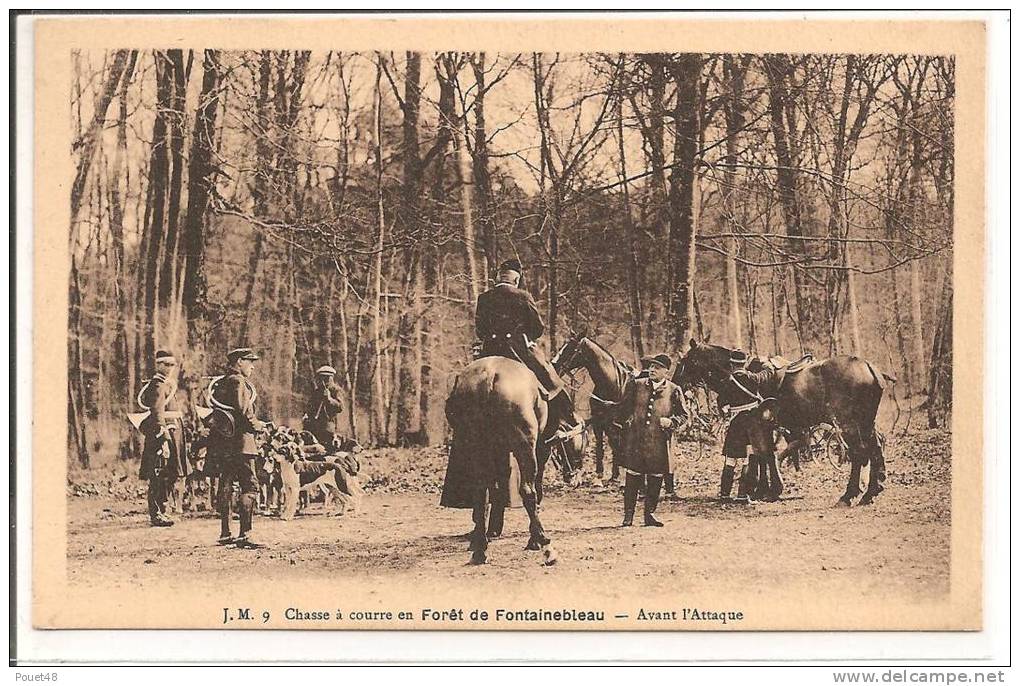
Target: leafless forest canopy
x,y
348,208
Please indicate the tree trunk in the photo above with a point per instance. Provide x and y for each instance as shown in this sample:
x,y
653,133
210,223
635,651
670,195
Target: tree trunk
x,y
175,142
87,144
686,72
155,225
379,415
776,68
634,263
121,348
480,167
412,227
201,180
734,110
940,377
260,191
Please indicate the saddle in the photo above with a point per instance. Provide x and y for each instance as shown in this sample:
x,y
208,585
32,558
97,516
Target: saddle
x,y
780,363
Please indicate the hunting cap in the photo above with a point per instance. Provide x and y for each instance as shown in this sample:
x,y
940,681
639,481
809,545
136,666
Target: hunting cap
x,y
165,356
326,369
661,360
738,357
241,354
511,265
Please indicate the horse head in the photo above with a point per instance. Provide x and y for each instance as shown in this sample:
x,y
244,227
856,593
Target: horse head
x,y
703,364
571,355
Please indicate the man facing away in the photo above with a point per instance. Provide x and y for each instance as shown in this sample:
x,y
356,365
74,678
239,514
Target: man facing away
x,y
164,456
234,397
508,323
324,406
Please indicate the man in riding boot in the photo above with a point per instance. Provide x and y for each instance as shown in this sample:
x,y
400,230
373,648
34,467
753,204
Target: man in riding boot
x,y
652,410
324,406
164,456
508,324
234,395
748,439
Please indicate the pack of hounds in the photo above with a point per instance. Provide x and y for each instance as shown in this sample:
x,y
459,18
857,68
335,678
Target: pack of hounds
x,y
293,468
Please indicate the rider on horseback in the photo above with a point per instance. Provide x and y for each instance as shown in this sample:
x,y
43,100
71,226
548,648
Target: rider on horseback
x,y
508,323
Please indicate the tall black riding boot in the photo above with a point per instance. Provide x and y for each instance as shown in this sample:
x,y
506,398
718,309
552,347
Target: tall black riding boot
x,y
630,493
652,500
726,484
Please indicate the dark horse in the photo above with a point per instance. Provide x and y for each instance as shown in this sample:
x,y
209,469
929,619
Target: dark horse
x,y
610,378
842,390
496,409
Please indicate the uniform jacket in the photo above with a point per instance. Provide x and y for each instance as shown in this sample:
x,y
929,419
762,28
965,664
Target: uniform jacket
x,y
506,309
321,411
648,448
165,445
747,433
235,392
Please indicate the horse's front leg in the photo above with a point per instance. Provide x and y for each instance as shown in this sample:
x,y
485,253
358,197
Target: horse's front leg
x,y
600,450
539,473
775,478
479,543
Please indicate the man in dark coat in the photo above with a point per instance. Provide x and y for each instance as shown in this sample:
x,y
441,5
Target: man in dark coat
x,y
748,447
653,409
324,406
508,323
164,456
232,441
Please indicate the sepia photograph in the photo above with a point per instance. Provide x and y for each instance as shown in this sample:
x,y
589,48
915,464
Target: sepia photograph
x,y
384,325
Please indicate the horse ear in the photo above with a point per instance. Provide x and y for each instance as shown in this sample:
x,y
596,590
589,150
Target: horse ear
x,y
694,344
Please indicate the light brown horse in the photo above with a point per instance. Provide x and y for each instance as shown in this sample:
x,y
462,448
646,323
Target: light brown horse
x,y
495,409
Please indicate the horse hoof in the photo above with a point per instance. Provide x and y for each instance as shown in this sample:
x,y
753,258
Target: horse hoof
x,y
478,558
549,556
532,545
843,502
866,500
493,535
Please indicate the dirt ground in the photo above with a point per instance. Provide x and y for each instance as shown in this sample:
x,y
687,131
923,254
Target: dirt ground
x,y
898,547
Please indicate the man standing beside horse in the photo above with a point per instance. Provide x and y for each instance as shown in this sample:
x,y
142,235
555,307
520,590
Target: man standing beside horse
x,y
653,410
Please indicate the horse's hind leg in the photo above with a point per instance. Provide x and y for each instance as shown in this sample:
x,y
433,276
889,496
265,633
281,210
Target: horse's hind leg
x,y
875,449
858,458
600,452
479,543
529,466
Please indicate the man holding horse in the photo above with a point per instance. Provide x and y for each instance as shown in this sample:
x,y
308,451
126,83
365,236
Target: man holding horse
x,y
508,323
652,410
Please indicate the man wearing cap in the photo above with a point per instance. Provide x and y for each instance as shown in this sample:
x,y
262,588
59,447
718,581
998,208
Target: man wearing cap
x,y
234,396
652,410
508,323
324,406
164,459
748,441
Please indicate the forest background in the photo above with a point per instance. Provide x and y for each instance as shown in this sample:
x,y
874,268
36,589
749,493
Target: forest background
x,y
347,208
